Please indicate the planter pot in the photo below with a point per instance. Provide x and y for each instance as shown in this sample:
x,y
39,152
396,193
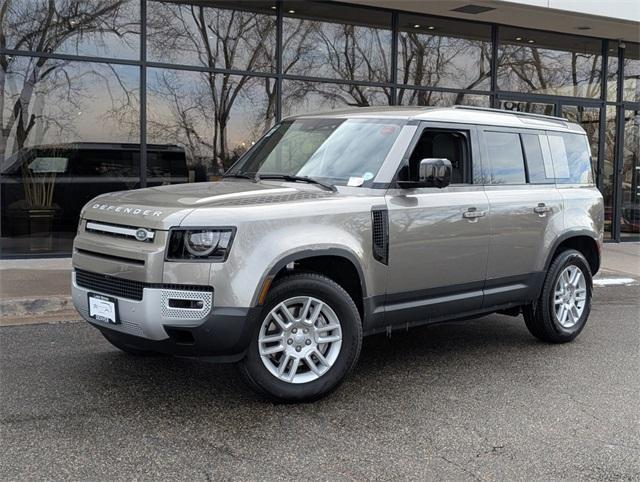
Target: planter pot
x,y
36,223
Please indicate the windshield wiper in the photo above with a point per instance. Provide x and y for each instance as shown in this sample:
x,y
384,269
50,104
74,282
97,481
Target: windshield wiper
x,y
292,178
239,175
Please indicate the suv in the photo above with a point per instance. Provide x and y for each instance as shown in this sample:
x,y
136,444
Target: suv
x,y
339,225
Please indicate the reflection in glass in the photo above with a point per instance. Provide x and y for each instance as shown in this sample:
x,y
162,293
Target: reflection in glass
x,y
612,72
525,106
207,119
300,97
68,136
337,42
607,185
630,208
549,63
99,28
211,37
440,99
589,119
631,73
444,53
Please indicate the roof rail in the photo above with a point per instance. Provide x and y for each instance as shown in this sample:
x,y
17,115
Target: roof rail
x,y
502,111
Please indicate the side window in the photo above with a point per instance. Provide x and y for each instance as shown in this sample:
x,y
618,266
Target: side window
x,y
506,164
442,144
571,158
540,172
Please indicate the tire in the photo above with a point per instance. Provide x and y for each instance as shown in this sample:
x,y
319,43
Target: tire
x,y
321,311
129,349
543,316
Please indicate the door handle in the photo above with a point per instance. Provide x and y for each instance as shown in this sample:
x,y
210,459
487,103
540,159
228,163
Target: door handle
x,y
472,214
541,209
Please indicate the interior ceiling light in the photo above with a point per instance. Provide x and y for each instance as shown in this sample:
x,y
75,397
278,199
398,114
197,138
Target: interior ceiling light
x,y
530,40
472,9
292,11
417,25
431,27
518,38
273,7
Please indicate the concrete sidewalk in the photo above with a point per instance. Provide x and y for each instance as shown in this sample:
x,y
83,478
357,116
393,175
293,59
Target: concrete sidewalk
x,y
38,290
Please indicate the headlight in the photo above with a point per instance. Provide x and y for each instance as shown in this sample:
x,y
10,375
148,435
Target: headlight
x,y
200,244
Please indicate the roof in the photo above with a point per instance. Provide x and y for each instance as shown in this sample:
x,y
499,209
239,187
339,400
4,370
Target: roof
x,y
457,114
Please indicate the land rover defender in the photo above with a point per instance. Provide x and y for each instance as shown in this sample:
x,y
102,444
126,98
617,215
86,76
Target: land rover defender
x,y
339,225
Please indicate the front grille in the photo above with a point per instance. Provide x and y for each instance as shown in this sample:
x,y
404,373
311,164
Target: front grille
x,y
110,285
125,288
120,231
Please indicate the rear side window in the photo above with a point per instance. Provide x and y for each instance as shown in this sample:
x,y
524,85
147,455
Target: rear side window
x,y
571,158
506,164
540,172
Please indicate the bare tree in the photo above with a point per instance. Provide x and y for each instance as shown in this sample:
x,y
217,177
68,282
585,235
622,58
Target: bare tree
x,y
436,60
27,83
223,39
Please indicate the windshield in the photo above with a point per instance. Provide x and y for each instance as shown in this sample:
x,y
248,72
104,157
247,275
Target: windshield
x,y
339,151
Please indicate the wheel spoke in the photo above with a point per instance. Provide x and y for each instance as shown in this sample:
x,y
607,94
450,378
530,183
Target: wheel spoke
x,y
304,313
287,314
270,350
283,364
294,368
317,309
575,279
329,339
312,365
321,357
279,321
271,338
575,315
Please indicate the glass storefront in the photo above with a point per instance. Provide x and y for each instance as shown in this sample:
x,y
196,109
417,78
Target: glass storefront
x,y
85,104
630,177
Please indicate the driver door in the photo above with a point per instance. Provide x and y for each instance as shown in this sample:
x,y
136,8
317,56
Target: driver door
x,y
437,251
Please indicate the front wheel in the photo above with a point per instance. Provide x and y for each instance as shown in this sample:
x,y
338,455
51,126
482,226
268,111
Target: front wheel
x,y
307,340
561,311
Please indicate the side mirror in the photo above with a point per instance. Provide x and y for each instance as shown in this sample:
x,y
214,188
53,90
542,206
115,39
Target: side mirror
x,y
434,173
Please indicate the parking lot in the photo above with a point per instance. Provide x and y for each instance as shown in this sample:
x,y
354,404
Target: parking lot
x,y
479,399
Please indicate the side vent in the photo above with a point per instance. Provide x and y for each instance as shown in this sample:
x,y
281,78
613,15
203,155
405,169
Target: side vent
x,y
380,220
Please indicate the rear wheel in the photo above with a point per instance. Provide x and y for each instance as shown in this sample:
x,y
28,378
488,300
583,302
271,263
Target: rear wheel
x,y
307,340
561,311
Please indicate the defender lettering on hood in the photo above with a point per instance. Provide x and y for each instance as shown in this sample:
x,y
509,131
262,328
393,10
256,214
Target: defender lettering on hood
x,y
126,210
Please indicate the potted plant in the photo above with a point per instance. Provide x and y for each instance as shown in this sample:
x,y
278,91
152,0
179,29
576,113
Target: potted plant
x,y
35,214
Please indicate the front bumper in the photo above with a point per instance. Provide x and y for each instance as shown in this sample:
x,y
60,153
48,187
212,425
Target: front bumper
x,y
152,324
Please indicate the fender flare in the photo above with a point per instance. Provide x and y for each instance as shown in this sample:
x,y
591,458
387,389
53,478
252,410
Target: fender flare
x,y
311,253
567,235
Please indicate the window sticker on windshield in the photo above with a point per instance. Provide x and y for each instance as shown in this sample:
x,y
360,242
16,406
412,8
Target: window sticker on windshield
x,y
386,130
355,181
367,176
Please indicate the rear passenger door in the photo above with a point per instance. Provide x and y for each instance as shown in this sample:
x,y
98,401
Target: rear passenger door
x,y
525,209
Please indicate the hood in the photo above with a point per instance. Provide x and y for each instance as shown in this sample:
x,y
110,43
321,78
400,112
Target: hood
x,y
165,206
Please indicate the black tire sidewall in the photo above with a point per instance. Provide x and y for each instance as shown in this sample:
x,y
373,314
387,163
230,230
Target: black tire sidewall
x,y
553,327
333,295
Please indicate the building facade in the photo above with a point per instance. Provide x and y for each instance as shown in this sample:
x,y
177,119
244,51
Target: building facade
x,y
105,95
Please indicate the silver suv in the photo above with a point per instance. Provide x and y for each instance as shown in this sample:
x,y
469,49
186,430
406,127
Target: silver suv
x,y
340,225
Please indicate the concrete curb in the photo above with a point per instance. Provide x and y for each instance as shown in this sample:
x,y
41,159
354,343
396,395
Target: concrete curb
x,y
23,311
34,306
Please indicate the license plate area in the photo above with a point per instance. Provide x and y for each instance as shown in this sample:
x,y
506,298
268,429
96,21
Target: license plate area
x,y
103,308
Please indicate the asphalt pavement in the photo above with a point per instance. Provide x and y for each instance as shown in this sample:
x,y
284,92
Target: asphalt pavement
x,y
479,400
